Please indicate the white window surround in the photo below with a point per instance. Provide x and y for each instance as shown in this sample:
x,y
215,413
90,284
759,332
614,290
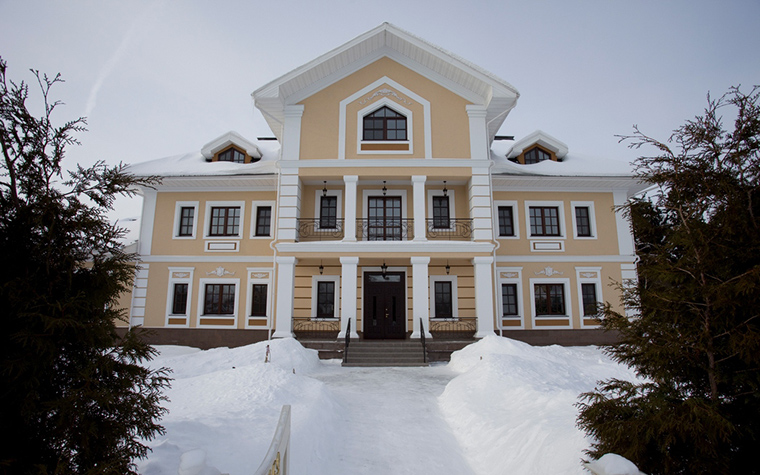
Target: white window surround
x,y
187,279
318,205
452,203
568,304
207,218
178,218
597,281
515,279
428,140
396,107
253,279
591,218
454,295
202,295
314,299
255,205
515,218
560,211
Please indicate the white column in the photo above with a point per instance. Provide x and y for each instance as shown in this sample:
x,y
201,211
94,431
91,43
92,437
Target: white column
x,y
478,132
481,202
484,301
286,266
418,182
349,226
146,226
291,143
348,296
289,205
420,300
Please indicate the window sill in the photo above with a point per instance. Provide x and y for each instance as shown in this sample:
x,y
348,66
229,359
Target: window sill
x,y
385,146
444,319
553,316
325,319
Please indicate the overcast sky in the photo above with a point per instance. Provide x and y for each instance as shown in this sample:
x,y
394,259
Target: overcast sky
x,y
160,78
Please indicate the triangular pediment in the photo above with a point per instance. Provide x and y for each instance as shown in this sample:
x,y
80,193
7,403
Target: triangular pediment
x,y
471,82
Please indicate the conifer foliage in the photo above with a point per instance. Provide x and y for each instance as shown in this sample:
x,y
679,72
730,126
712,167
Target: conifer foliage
x,y
74,397
695,339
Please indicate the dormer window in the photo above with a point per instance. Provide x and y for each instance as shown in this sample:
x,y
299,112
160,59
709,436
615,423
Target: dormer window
x,y
384,124
232,155
536,155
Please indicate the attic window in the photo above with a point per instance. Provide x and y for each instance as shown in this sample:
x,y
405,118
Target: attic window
x,y
232,155
536,155
384,124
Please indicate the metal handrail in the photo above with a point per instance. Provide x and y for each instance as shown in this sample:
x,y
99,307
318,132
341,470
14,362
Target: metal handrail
x,y
348,340
384,229
449,228
318,229
277,459
422,337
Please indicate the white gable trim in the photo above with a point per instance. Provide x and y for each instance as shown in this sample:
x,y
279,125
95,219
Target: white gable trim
x,y
365,90
538,138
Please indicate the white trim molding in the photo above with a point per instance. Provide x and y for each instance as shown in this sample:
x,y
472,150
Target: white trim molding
x,y
588,275
201,300
179,275
565,282
178,218
258,275
510,275
591,219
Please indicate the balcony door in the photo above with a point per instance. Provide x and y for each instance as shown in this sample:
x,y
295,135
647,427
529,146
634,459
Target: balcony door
x,y
384,215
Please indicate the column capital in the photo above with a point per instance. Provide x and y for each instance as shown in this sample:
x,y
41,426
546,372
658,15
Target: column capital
x,y
295,110
420,260
286,260
351,178
482,260
349,260
419,178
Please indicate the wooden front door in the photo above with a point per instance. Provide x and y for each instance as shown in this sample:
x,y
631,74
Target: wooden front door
x,y
385,306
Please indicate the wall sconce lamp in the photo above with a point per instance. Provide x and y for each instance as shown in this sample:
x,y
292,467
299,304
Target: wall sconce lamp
x,y
448,268
445,191
385,190
383,269
324,190
321,268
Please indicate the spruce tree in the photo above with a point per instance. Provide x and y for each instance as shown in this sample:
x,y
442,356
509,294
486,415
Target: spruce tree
x,y
695,335
74,396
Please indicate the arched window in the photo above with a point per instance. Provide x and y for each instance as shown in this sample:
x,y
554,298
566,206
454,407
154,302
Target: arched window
x,y
536,155
232,155
384,124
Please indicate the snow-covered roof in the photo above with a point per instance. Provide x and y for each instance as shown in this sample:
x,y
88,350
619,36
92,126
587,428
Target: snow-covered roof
x,y
538,138
457,74
196,164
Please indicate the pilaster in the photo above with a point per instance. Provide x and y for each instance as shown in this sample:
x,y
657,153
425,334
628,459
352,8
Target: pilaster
x,y
348,296
420,297
349,227
286,266
418,204
484,301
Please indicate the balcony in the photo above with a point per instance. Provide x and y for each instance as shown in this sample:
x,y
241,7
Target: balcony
x,y
383,229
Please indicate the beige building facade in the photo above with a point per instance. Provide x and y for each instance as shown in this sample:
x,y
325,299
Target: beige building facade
x,y
384,206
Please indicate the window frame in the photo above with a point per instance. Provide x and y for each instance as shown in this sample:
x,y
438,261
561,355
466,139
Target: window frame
x,y
591,219
506,276
385,130
255,205
539,151
258,276
201,315
178,275
567,316
395,106
560,215
588,275
259,226
452,279
338,195
515,219
335,279
178,206
223,204
233,151
434,193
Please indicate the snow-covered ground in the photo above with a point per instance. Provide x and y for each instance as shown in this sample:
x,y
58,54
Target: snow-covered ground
x,y
499,407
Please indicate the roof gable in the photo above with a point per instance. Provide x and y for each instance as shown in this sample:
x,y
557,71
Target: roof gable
x,y
456,74
538,138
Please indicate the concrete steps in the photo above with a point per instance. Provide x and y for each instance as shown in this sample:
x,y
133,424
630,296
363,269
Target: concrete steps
x,y
385,353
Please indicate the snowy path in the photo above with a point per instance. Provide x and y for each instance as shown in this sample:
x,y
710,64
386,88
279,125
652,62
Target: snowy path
x,y
391,421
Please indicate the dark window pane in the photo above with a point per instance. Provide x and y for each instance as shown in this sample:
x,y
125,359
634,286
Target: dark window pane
x,y
225,221
582,221
506,222
443,300
325,299
179,303
263,220
328,212
590,304
232,155
544,221
509,299
259,300
219,299
441,216
384,124
187,215
550,299
536,155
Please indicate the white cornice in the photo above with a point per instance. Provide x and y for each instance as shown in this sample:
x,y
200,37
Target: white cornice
x,y
566,183
385,163
218,183
390,247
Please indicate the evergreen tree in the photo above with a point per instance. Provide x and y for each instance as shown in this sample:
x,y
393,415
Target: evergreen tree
x,y
695,339
74,397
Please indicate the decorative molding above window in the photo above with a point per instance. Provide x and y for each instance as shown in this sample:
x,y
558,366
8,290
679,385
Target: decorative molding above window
x,y
385,92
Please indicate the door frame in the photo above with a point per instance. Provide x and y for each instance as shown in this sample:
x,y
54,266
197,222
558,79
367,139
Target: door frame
x,y
391,270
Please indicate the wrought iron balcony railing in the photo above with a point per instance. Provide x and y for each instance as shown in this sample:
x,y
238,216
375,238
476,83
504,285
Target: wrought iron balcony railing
x,y
316,328
385,229
453,328
320,229
449,228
